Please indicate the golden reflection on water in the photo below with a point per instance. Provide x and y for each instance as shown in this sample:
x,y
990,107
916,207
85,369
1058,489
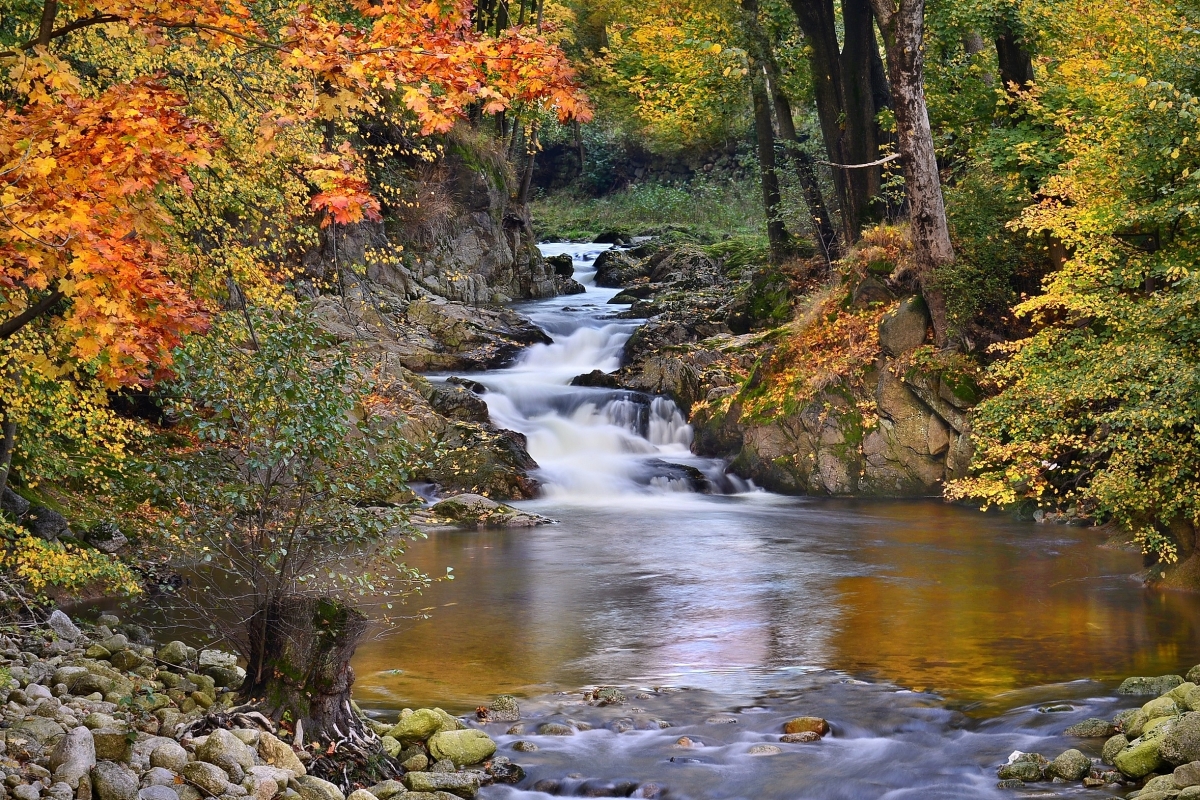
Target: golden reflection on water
x,y
923,595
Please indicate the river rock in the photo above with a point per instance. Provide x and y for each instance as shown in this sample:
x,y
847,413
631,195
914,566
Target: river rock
x,y
385,790
460,783
462,747
423,723
1091,728
563,264
609,696
484,512
160,792
1181,744
815,725
904,328
169,755
764,750
114,782
616,268
311,787
555,729
1113,745
1141,756
1026,771
208,778
1149,686
415,763
44,731
112,744
1071,765
278,753
63,627
74,757
1131,722
504,709
800,738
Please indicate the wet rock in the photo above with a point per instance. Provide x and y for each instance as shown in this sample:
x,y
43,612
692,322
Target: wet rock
x,y
1026,771
562,264
555,729
612,237
596,379
523,746
1071,765
502,770
609,696
1113,745
114,782
485,513
721,720
765,750
1149,686
904,328
462,747
815,725
458,402
1181,744
1056,708
800,738
503,709
461,784
1010,783
1091,728
616,268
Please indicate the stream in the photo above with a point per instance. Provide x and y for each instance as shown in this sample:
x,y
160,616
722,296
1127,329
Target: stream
x,y
932,637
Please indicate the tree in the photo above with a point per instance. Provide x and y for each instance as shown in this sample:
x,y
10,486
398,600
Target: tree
x,y
281,511
903,27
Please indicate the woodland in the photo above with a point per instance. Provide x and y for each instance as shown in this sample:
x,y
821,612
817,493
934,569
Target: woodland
x,y
186,184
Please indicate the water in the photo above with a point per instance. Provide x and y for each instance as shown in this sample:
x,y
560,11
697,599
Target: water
x,y
928,635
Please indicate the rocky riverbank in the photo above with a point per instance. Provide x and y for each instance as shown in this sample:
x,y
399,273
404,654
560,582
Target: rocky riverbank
x,y
1155,747
98,713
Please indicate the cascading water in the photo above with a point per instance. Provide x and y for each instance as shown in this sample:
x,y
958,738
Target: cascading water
x,y
594,443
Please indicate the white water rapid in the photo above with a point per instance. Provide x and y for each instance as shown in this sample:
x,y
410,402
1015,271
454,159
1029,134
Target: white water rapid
x,y
593,444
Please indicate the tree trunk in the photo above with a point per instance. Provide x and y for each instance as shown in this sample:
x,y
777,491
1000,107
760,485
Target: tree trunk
x,y
849,90
818,214
8,443
527,173
777,237
1016,63
299,663
903,29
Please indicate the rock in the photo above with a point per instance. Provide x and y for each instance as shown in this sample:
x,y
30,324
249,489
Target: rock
x,y
386,790
157,792
425,722
1164,706
612,237
815,725
13,503
458,402
74,757
461,784
217,658
390,745
97,651
523,746
871,290
462,747
1181,744
112,744
1131,722
44,731
46,523
1187,775
555,729
1190,793
26,792
1071,765
108,620
158,776
169,755
1112,746
483,513
597,379
63,627
127,661
313,788
1160,783
1149,686
1141,756
1026,771
616,268
174,653
208,778
563,265
1191,700
1091,728
800,738
278,753
359,794
1193,674
226,677
764,750
504,709
609,696
114,782
904,328
416,763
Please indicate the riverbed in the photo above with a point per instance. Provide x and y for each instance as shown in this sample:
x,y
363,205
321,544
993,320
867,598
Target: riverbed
x,y
934,638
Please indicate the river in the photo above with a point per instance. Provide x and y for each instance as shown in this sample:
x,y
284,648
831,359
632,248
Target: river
x,y
932,637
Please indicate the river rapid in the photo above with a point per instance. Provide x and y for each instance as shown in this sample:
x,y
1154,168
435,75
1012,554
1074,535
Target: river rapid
x,y
933,638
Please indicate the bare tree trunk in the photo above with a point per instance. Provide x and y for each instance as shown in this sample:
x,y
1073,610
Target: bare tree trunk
x,y
777,237
7,444
1016,63
903,28
530,155
818,214
300,663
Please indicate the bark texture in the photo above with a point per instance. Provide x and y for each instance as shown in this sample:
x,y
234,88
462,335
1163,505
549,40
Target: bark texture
x,y
903,27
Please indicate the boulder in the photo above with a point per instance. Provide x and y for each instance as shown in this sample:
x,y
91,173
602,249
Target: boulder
x,y
555,729
1071,765
871,290
1187,775
159,792
416,763
278,753
459,783
210,779
112,744
462,747
1131,722
114,782
1113,745
74,757
1027,771
169,755
1091,729
424,722
386,790
361,794
596,379
563,265
1164,706
1141,756
1149,686
311,787
44,731
1193,674
173,653
616,268
1181,744
815,725
904,328
46,523
504,709
158,776
63,627
800,738
13,503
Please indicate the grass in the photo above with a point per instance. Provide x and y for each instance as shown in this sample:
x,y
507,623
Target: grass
x,y
706,211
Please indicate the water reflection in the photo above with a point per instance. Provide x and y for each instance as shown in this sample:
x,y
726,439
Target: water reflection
x,y
713,592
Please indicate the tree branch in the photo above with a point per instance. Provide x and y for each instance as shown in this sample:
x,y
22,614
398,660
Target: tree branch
x,y
11,326
883,160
